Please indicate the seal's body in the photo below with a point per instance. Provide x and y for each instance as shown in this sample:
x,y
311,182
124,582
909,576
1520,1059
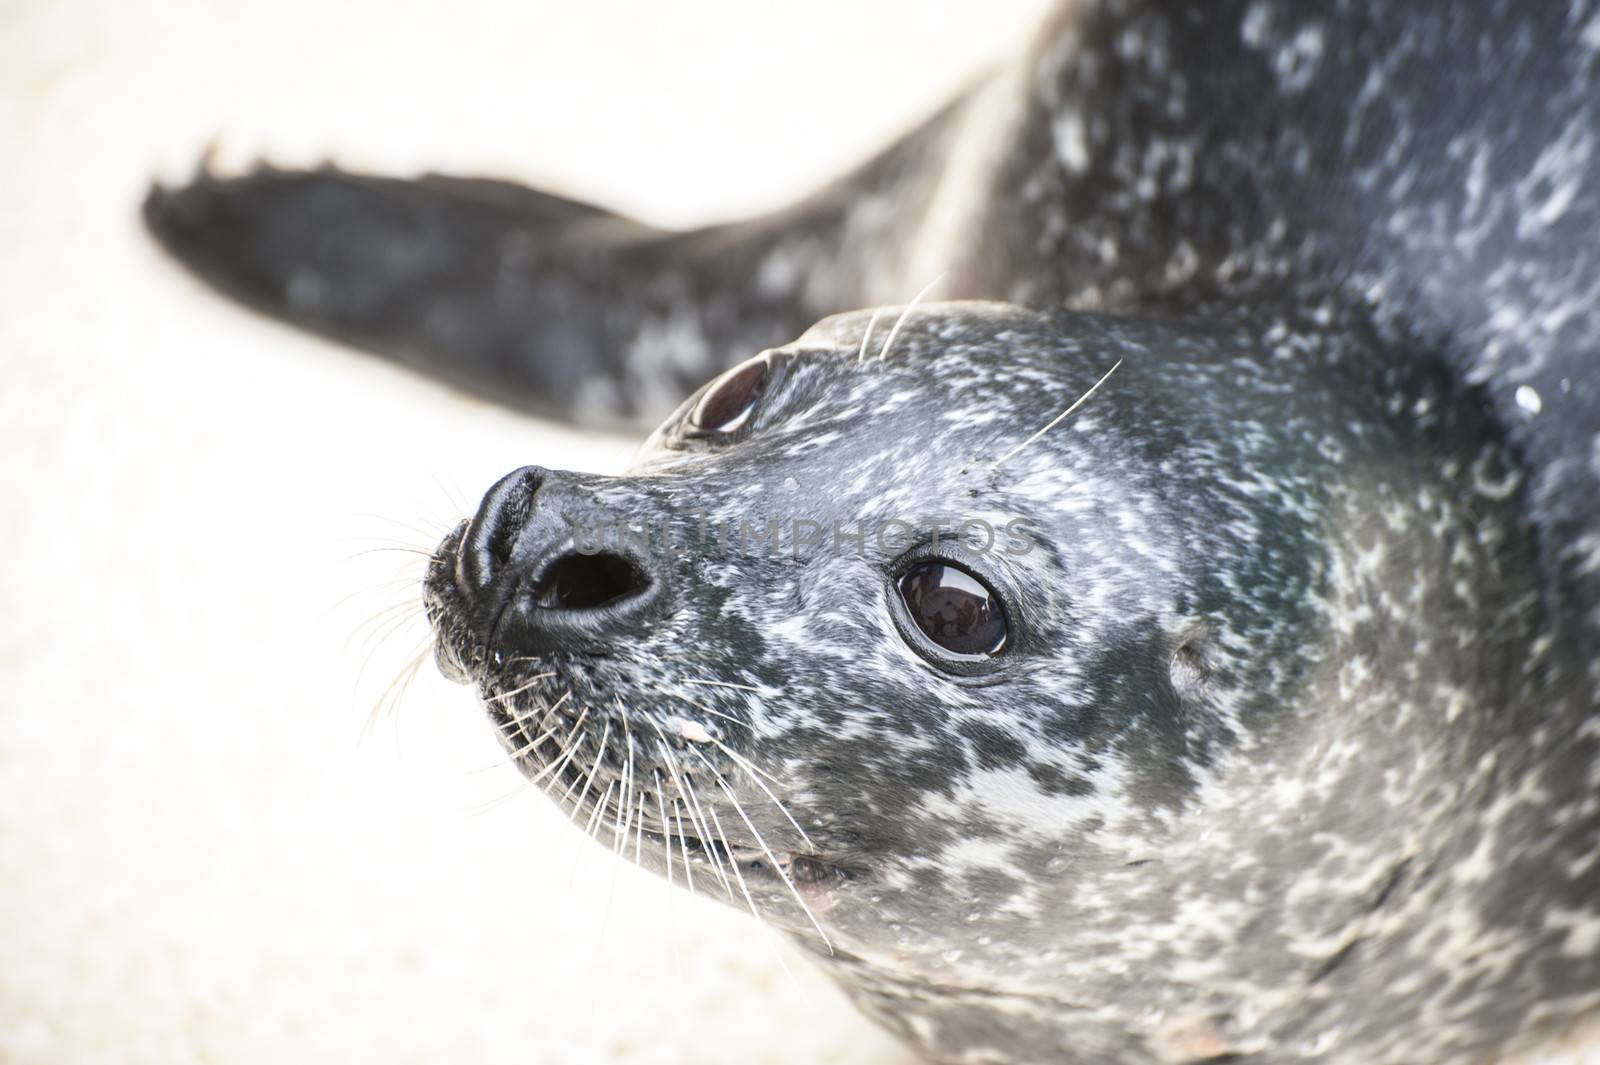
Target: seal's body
x,y
1248,712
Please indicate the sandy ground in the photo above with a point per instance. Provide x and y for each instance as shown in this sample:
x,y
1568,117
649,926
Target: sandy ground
x,y
204,857
206,522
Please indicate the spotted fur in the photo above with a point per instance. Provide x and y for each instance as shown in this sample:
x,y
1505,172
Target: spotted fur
x,y
1293,754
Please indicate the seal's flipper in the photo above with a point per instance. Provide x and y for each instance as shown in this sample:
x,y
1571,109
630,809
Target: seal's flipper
x,y
531,299
479,282
535,300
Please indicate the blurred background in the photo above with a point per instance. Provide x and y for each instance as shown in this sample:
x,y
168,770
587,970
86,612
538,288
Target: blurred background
x,y
211,848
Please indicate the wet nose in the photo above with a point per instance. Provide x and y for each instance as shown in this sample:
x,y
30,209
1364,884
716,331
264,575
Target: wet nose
x,y
536,551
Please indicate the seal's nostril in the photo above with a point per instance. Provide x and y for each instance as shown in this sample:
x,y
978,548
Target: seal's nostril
x,y
527,586
486,547
579,581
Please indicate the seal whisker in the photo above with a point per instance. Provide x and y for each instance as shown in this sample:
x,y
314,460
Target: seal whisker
x,y
390,548
407,609
532,682
516,725
708,820
451,493
1059,418
883,352
428,535
557,765
625,793
550,770
683,843
638,834
756,773
517,660
378,638
390,603
478,809
777,866
627,767
619,834
409,606
394,691
703,830
666,826
691,805
732,861
701,706
862,354
750,900
532,744
407,577
587,777
396,688
516,721
382,626
592,829
721,684
619,831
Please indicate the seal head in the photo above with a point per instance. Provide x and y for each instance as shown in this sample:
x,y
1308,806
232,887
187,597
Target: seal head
x,y
1084,722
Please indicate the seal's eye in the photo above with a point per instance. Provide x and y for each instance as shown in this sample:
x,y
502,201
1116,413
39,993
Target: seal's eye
x,y
954,609
728,402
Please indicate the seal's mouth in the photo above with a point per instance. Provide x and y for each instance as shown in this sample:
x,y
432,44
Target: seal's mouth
x,y
652,798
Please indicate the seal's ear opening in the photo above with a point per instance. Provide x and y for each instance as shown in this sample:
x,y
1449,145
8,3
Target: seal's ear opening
x,y
1190,665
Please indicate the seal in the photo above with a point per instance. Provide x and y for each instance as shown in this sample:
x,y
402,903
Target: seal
x,y
1182,647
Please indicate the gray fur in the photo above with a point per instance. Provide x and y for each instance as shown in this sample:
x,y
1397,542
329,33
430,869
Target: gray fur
x,y
1294,754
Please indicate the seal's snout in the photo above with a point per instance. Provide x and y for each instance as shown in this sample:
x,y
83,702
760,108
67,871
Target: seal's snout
x,y
523,558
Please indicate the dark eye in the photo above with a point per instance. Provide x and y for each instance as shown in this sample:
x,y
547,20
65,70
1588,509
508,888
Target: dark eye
x,y
728,402
954,609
